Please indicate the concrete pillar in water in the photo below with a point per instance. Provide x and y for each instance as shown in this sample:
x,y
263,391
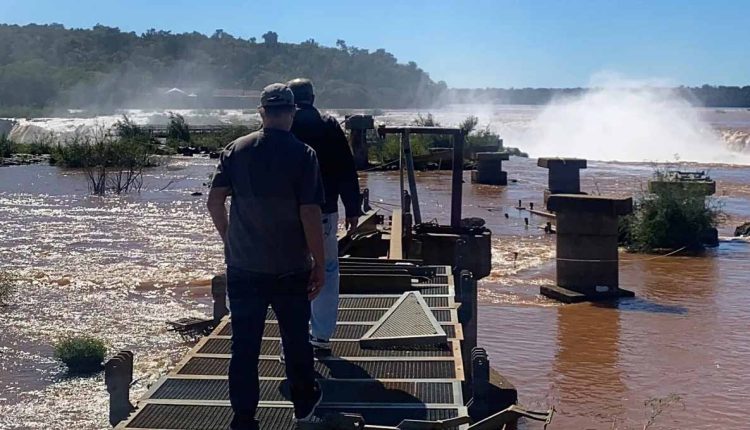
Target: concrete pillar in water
x,y
490,169
564,175
587,254
358,126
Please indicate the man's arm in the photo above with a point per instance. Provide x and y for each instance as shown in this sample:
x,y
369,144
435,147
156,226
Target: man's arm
x,y
310,215
221,188
348,180
217,208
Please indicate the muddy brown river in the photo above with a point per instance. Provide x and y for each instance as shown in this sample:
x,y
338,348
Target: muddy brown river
x,y
119,267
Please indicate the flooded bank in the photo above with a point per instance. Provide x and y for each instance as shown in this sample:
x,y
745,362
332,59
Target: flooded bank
x,y
119,267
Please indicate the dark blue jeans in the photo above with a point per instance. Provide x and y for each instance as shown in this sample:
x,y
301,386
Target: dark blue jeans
x,y
250,294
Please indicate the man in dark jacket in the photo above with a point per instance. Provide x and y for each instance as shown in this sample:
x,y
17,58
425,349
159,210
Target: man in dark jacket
x,y
324,134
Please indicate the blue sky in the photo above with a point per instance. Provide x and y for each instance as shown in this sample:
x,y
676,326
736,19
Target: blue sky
x,y
483,43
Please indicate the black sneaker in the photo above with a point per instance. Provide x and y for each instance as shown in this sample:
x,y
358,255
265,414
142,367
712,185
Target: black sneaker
x,y
304,410
246,424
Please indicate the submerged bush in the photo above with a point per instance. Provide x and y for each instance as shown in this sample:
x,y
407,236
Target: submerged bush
x,y
126,128
81,354
178,129
111,163
217,141
7,286
670,218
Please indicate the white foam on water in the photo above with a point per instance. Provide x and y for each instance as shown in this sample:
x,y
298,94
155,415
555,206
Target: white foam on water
x,y
627,121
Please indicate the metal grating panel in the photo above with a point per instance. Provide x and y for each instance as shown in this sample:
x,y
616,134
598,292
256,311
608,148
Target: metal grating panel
x,y
349,384
369,315
343,331
188,417
386,302
408,323
194,417
339,369
367,302
334,391
439,279
392,417
434,289
339,348
196,389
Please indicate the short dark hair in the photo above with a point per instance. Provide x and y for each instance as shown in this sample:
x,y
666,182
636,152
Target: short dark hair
x,y
304,93
278,110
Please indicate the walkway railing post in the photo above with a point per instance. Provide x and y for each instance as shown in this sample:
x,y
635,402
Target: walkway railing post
x,y
406,143
118,375
457,179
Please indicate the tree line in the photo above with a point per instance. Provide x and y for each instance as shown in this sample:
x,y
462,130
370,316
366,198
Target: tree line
x,y
49,66
45,68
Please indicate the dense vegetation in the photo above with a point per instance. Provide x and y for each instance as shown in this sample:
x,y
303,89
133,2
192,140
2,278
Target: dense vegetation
x,y
47,66
670,218
113,160
706,95
81,354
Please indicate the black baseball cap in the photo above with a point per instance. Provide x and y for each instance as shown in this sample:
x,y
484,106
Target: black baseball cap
x,y
276,95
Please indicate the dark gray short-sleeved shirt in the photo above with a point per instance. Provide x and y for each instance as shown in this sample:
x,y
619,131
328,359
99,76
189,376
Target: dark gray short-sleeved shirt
x,y
270,174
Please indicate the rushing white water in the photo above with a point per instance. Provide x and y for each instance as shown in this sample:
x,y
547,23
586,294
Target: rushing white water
x,y
610,123
58,129
627,124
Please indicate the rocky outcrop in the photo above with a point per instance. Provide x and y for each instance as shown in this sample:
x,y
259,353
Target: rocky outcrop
x,y
743,230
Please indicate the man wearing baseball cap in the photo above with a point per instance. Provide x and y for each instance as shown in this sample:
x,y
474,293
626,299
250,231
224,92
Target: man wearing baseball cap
x,y
273,243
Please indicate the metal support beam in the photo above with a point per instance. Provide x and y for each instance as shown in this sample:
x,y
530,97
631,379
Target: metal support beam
x,y
396,248
458,164
457,180
383,130
406,144
401,173
467,316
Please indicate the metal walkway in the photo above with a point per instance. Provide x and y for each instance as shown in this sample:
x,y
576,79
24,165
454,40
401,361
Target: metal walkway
x,y
384,386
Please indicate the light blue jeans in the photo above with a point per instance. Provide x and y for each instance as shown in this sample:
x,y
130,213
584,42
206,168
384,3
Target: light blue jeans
x,y
325,307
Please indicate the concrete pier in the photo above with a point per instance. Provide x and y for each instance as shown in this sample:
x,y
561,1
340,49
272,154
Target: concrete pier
x,y
564,175
587,254
490,169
